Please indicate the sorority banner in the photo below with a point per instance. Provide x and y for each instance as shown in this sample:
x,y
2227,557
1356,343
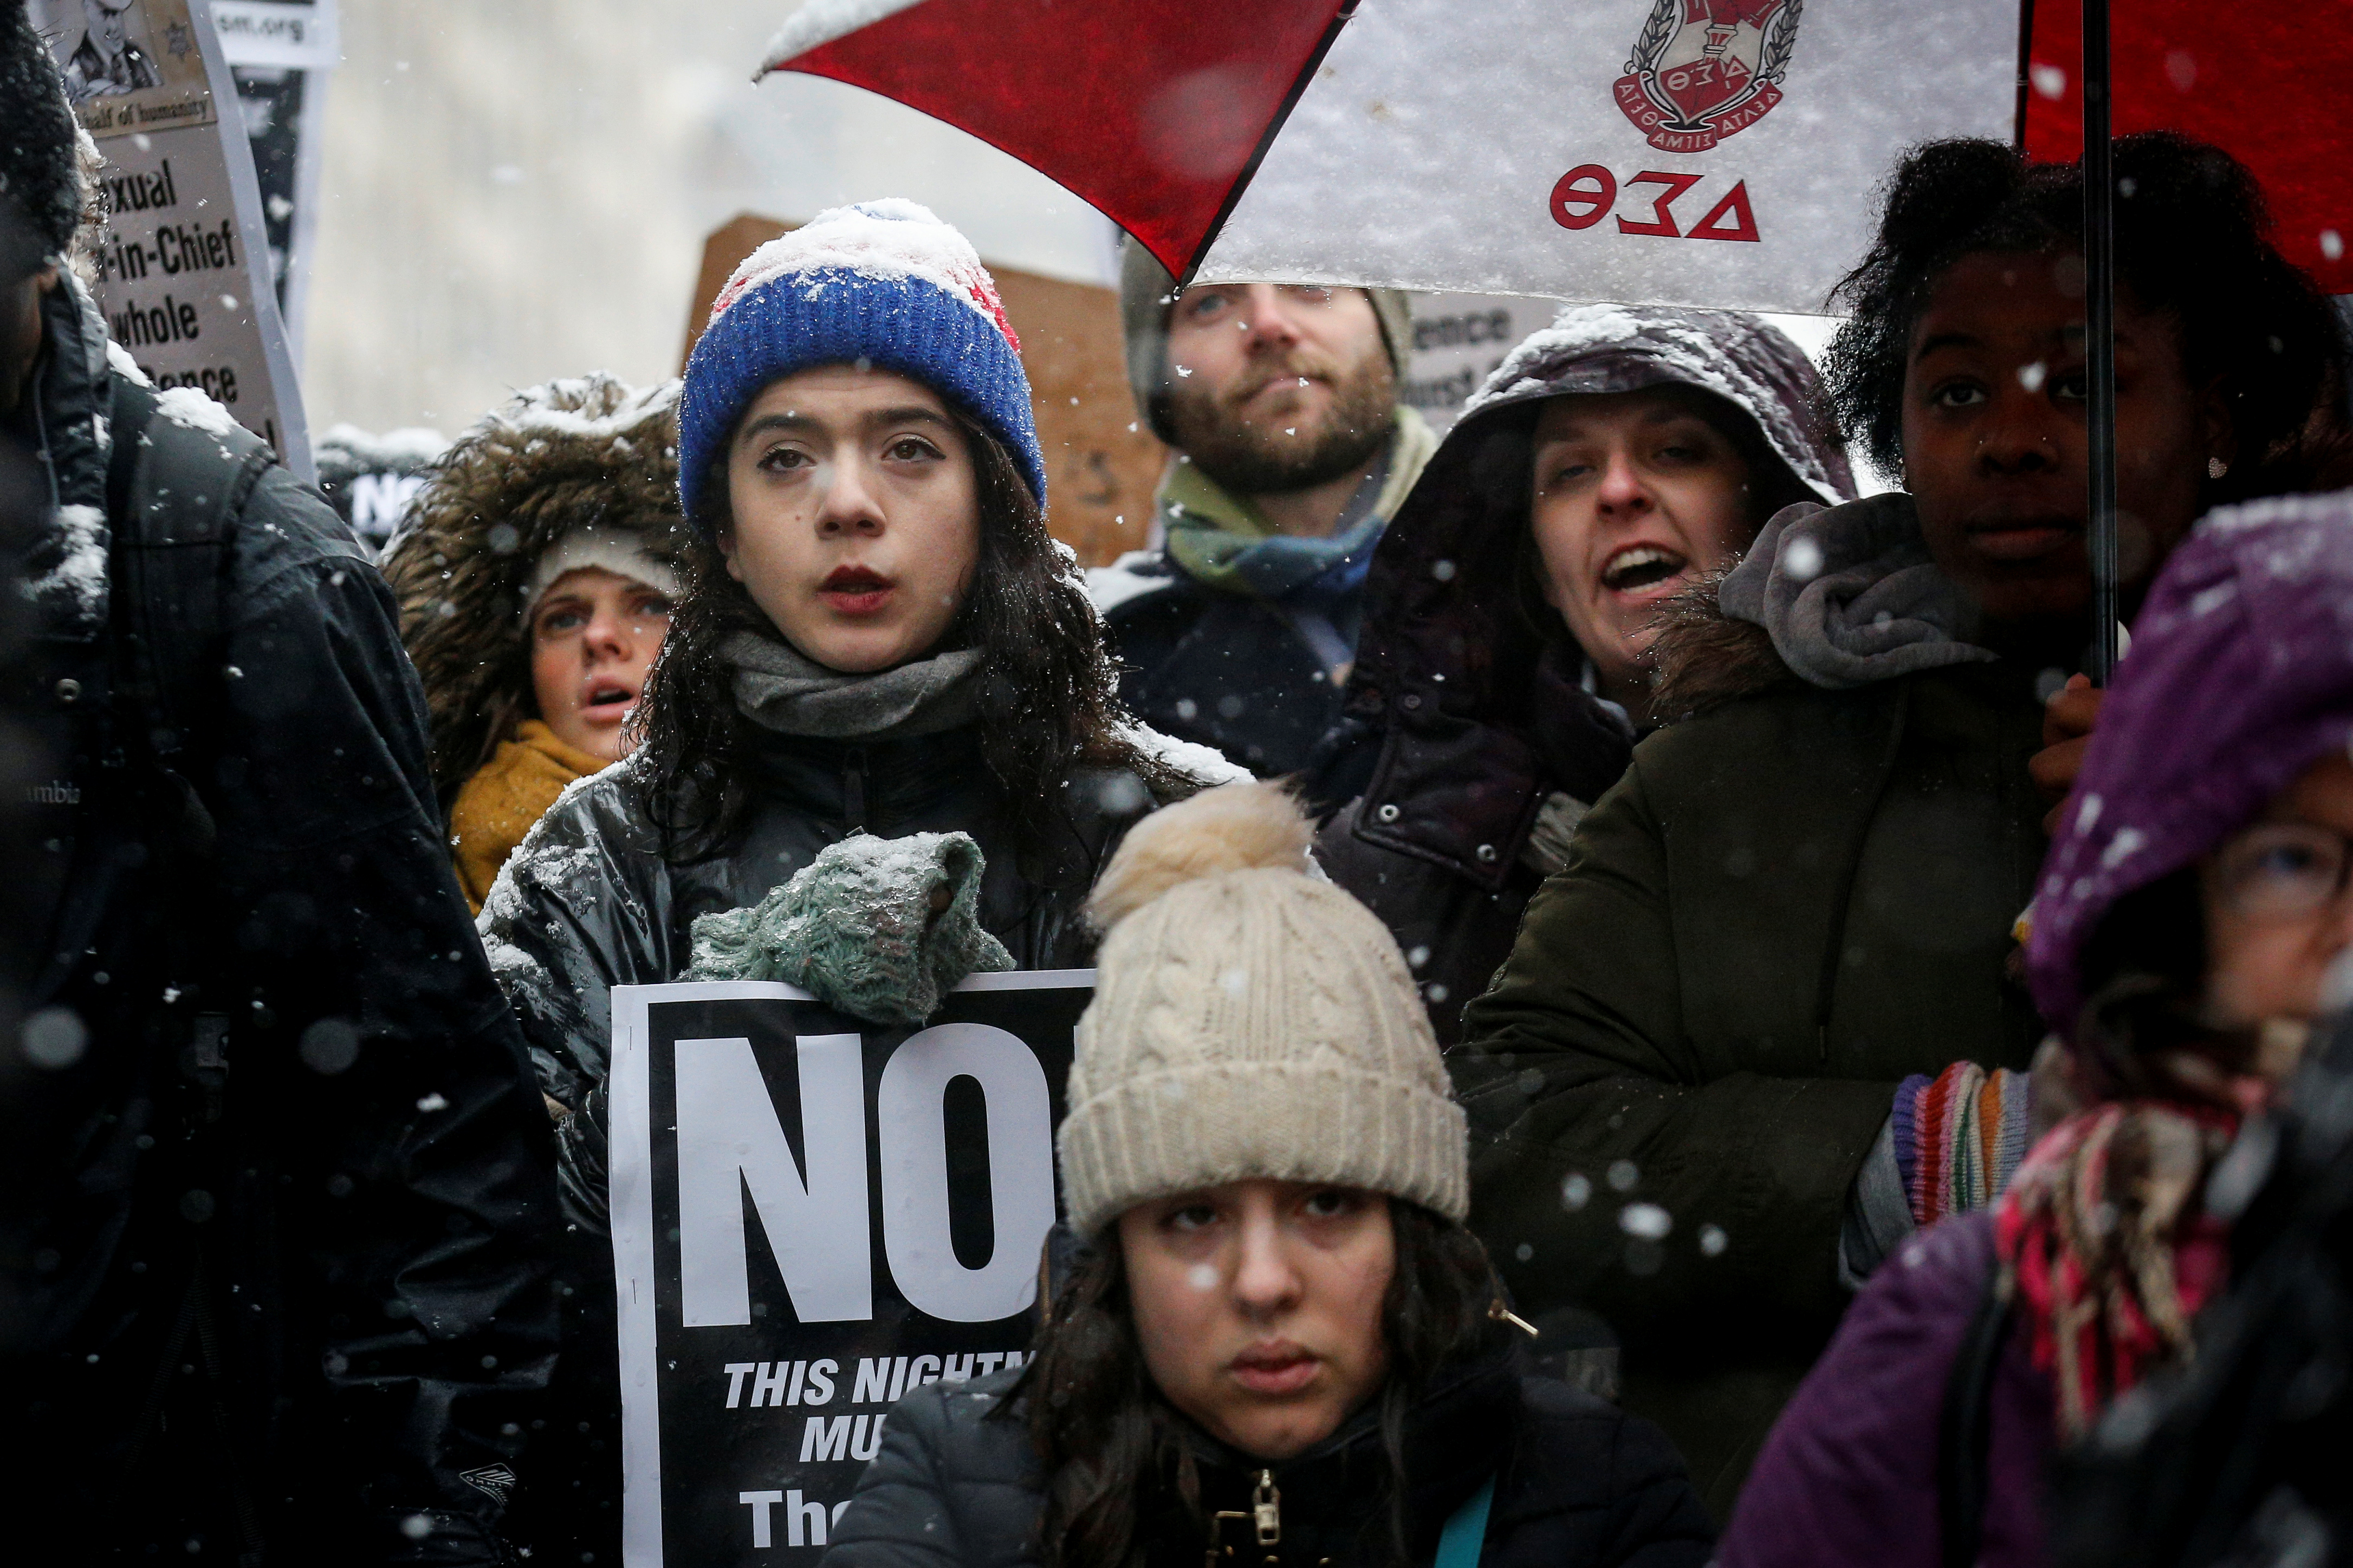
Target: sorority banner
x,y
812,1215
184,277
1712,152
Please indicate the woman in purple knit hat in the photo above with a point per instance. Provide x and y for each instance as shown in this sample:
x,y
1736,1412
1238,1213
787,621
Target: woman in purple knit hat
x,y
2185,925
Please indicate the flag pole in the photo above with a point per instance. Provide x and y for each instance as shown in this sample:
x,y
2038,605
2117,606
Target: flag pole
x,y
2100,333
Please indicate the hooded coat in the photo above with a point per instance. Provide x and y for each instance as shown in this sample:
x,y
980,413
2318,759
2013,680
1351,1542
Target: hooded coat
x,y
1794,899
275,1276
561,457
2240,677
1577,1484
1469,714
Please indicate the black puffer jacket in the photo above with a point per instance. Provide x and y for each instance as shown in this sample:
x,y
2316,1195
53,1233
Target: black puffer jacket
x,y
589,902
273,1279
1578,1485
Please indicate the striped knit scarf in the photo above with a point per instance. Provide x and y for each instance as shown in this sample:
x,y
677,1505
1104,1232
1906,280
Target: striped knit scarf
x,y
1959,1136
2105,1250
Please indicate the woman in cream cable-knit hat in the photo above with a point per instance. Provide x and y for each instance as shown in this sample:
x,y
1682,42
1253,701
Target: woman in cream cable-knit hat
x,y
1278,1347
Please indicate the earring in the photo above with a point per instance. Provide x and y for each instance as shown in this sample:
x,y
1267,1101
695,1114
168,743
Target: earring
x,y
2216,468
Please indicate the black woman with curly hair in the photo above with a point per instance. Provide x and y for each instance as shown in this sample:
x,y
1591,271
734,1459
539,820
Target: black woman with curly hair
x,y
1771,1001
1278,1346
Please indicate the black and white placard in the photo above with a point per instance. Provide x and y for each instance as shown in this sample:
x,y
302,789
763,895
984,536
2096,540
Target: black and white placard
x,y
811,1215
184,277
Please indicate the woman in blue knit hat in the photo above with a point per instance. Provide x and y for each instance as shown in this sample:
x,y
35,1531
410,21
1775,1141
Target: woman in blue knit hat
x,y
875,642
875,636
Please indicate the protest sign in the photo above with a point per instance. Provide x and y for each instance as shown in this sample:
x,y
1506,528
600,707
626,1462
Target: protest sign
x,y
372,481
901,1185
1459,341
280,52
184,277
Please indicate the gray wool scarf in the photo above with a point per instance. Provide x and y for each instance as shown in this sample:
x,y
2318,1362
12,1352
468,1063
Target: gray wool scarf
x,y
779,689
1849,596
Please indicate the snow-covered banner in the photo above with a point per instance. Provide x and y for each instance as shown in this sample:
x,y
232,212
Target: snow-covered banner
x,y
900,1184
1719,153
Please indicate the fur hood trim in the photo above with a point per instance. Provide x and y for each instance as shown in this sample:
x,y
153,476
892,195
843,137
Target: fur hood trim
x,y
590,450
1705,658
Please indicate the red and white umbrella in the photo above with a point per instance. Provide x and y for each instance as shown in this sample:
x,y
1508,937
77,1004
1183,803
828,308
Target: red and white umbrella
x,y
1719,153
1706,153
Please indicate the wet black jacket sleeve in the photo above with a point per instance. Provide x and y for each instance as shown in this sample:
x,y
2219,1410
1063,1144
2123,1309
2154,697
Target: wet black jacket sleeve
x,y
417,1187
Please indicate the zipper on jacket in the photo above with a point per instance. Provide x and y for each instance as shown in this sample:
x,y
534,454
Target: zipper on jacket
x,y
1266,1509
853,789
1265,1516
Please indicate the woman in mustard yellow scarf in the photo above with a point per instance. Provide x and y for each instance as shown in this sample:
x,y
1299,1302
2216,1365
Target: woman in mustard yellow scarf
x,y
536,581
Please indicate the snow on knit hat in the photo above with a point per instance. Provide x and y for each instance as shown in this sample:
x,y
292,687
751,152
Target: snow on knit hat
x,y
881,283
1249,1020
603,547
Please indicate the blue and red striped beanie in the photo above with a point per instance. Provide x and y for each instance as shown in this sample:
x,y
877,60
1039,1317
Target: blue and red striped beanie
x,y
881,283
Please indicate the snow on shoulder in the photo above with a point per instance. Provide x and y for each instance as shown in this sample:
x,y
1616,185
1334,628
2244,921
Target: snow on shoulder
x,y
1133,574
119,360
1205,766
185,406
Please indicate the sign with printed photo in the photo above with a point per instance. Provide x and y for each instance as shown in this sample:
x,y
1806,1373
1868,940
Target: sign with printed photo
x,y
811,1215
128,65
184,273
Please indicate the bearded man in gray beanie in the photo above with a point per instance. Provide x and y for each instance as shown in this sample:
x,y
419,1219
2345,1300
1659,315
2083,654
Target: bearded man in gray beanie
x,y
1292,453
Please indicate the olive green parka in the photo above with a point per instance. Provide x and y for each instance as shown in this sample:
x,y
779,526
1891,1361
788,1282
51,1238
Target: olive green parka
x,y
1791,900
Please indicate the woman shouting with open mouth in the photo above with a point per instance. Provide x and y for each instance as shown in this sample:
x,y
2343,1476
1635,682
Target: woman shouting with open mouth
x,y
1610,462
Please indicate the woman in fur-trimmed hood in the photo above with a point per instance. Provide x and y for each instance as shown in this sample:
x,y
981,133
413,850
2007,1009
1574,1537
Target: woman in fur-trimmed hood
x,y
535,583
